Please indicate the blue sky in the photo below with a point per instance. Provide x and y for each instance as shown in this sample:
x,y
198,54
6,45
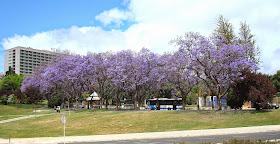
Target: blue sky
x,y
31,16
112,25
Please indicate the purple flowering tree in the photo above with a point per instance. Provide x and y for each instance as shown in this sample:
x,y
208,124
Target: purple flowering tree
x,y
31,84
158,76
179,73
64,74
70,73
141,67
95,74
216,63
120,74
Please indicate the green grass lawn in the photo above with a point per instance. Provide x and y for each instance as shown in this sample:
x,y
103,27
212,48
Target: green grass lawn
x,y
8,117
276,100
23,109
45,102
115,122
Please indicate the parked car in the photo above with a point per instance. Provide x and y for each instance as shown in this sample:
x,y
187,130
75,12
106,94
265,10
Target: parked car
x,y
271,106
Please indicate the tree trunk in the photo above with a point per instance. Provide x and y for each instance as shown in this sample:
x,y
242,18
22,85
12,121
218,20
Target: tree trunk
x,y
107,103
135,101
219,102
158,106
69,105
184,102
117,108
77,104
101,102
212,102
117,103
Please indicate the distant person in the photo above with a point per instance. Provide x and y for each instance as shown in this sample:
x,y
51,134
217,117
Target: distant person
x,y
58,109
54,108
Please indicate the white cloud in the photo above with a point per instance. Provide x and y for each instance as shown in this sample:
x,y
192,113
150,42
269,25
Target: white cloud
x,y
114,16
156,22
78,40
174,17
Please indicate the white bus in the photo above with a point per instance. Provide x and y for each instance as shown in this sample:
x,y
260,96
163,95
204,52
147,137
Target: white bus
x,y
164,104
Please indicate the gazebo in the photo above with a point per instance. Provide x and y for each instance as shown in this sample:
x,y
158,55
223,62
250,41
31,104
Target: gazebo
x,y
93,100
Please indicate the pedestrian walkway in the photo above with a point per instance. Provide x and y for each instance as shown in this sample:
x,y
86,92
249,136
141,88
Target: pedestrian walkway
x,y
23,117
150,135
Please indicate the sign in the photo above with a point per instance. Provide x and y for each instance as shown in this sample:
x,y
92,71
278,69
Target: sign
x,y
63,119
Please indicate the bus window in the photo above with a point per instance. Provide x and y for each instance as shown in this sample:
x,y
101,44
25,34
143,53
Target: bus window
x,y
166,102
153,102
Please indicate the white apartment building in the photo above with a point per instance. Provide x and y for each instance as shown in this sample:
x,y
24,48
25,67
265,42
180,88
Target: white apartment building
x,y
23,60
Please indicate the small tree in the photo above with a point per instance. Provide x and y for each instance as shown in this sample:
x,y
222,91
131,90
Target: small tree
x,y
10,71
234,101
54,101
276,80
11,82
255,87
3,99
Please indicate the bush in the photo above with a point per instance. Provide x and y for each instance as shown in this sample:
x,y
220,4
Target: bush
x,y
3,99
241,141
234,101
255,87
54,102
191,99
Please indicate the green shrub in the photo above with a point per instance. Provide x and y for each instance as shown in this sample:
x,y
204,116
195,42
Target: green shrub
x,y
191,99
240,141
3,99
54,102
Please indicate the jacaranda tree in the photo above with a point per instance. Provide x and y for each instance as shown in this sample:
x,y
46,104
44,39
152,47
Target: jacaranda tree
x,y
216,63
179,73
94,71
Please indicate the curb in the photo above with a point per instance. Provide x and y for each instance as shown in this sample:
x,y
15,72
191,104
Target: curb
x,y
149,135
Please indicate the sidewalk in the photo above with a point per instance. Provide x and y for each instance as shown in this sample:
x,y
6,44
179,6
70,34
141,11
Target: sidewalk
x,y
23,117
150,135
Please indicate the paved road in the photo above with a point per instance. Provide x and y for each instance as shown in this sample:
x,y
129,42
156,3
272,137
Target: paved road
x,y
196,139
192,136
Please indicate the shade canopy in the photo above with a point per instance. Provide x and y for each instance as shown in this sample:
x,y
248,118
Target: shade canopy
x,y
93,96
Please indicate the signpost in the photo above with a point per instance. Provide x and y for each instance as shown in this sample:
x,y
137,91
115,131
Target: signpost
x,y
63,119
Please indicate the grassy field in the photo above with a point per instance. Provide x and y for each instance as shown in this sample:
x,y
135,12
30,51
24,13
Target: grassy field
x,y
8,117
12,111
276,100
24,109
114,122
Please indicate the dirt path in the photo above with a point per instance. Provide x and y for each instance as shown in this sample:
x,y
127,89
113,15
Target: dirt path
x,y
23,117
